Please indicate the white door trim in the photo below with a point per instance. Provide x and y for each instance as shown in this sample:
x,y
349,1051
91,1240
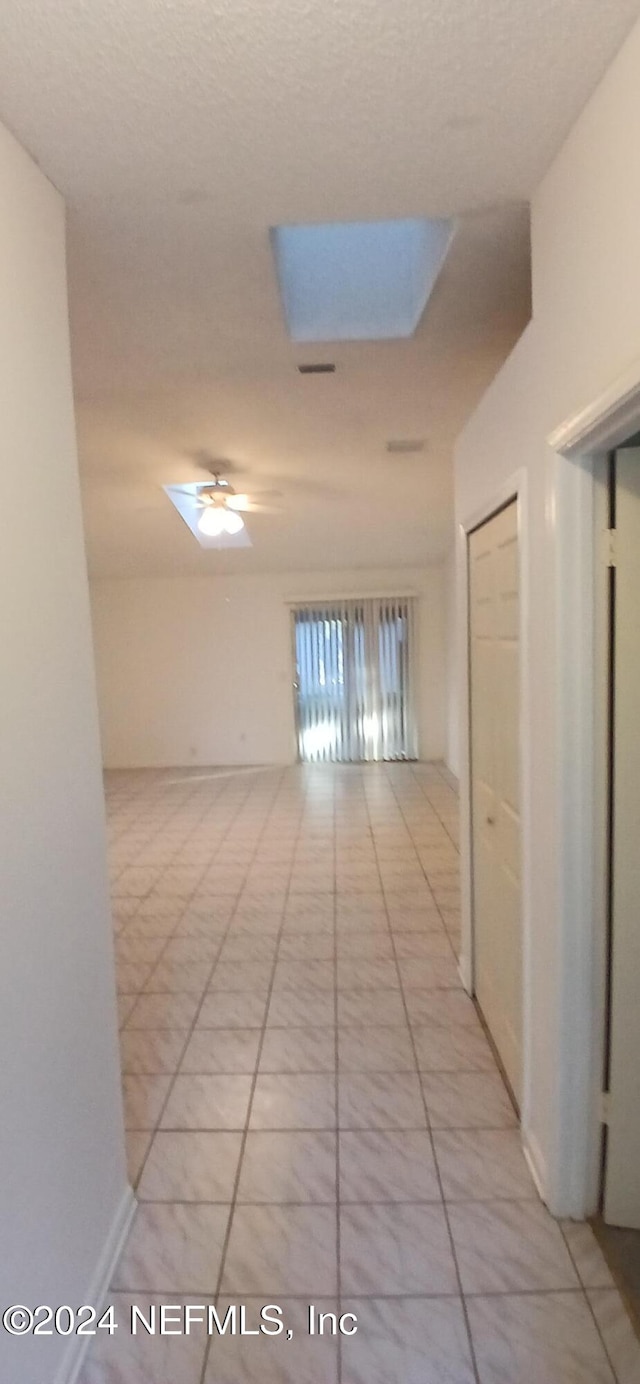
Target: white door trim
x,y
515,487
603,423
581,439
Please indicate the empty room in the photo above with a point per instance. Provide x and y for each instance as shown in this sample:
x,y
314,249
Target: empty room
x,y
320,344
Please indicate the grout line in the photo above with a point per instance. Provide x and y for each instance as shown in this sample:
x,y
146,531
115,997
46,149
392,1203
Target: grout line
x,y
342,1129
373,1297
338,1200
590,1308
581,1288
245,1132
442,820
471,1345
134,816
345,1201
233,819
306,1071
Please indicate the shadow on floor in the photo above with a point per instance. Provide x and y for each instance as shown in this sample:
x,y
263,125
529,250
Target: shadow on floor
x,y
621,1249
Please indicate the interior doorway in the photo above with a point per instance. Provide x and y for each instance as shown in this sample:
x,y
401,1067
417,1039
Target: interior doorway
x,y
620,1210
354,680
621,1204
494,667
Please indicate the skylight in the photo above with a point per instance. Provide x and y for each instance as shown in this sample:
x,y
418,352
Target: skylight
x,y
358,280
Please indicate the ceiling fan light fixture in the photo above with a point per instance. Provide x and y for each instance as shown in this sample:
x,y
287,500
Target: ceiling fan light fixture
x,y
207,514
217,519
212,521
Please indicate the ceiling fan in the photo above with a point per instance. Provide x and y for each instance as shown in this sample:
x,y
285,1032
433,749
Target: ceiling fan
x,y
221,505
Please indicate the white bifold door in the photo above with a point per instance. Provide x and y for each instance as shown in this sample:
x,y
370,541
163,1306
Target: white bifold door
x,y
494,658
622,1169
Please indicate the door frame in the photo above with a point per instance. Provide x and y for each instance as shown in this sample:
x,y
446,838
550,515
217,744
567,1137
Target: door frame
x,y
581,443
514,488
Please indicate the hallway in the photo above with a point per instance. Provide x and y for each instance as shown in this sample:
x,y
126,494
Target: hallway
x,y
314,1113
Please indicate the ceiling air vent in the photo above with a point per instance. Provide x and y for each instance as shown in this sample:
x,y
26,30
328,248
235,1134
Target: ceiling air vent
x,y
404,445
319,368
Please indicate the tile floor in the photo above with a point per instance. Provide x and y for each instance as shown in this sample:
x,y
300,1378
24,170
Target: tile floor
x,y
314,1114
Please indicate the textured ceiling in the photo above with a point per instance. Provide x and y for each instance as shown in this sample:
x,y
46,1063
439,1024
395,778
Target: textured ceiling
x,y
179,132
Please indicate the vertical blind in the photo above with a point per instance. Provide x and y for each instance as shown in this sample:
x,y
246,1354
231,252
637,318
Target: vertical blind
x,y
354,683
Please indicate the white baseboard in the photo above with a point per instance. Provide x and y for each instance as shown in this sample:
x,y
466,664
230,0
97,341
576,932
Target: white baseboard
x,y
97,1292
536,1165
464,971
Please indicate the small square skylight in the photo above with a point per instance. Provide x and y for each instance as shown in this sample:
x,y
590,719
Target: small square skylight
x,y
358,280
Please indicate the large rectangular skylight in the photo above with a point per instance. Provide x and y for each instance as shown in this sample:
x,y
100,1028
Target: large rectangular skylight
x,y
358,280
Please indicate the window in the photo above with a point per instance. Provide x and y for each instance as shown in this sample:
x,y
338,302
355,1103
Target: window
x,y
354,681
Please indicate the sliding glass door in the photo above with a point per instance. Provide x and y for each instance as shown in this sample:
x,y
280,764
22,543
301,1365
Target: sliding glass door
x,y
354,680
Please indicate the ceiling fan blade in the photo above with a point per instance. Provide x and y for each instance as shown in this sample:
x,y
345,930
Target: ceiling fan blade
x,y
201,497
263,509
248,501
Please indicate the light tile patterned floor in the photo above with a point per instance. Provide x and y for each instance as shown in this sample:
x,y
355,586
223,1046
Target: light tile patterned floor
x,y
314,1113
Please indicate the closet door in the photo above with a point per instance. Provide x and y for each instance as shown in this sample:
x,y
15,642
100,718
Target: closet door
x,y
495,788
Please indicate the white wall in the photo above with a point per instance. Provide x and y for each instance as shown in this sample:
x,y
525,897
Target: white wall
x,y
199,670
62,1169
585,332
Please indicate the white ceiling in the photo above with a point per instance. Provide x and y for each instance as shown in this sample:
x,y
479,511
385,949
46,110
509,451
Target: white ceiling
x,y
179,132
